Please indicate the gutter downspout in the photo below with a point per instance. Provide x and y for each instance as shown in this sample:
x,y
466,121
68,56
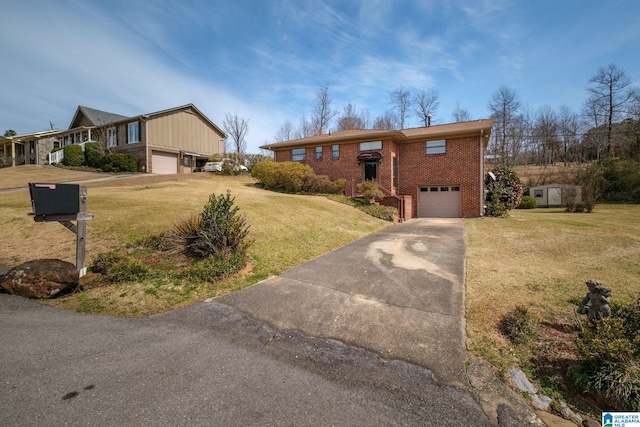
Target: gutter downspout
x,y
481,173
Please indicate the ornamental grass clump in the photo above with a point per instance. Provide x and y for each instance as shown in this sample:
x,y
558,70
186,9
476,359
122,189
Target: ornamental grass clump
x,y
219,229
609,362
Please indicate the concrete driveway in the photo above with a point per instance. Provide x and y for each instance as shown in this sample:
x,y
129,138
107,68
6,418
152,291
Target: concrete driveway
x,y
398,292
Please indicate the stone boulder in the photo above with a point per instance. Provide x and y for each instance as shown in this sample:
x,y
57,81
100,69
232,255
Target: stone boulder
x,y
41,278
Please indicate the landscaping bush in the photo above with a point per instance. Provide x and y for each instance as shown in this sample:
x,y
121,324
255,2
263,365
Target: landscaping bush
x,y
609,363
73,155
215,267
503,193
519,325
117,267
93,153
217,230
321,184
593,183
528,202
370,191
119,163
227,168
285,177
386,213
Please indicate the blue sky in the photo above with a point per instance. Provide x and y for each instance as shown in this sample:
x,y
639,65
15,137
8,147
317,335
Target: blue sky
x,y
266,59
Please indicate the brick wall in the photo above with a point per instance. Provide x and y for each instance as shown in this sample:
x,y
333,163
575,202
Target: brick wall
x,y
459,166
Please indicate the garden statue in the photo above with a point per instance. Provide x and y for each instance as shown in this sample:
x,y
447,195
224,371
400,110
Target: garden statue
x,y
596,303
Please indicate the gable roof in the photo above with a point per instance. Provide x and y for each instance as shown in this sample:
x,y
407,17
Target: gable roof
x,y
100,118
187,107
95,117
430,132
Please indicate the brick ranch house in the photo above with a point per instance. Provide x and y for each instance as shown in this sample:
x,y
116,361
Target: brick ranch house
x,y
435,171
170,141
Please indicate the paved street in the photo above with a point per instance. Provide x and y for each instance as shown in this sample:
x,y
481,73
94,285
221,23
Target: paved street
x,y
203,365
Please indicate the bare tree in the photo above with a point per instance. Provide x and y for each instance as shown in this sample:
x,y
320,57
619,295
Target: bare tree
x,y
305,128
285,133
387,121
322,114
401,101
569,125
460,114
504,105
237,128
546,134
426,105
611,97
350,119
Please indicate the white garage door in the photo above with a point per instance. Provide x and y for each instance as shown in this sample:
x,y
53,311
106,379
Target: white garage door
x,y
164,163
442,201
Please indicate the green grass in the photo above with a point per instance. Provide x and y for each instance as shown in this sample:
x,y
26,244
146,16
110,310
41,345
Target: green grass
x,y
540,259
287,230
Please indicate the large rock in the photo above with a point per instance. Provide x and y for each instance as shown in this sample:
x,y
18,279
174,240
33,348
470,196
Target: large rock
x,y
41,278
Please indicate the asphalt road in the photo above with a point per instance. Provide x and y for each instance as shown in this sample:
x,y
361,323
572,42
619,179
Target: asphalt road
x,y
204,365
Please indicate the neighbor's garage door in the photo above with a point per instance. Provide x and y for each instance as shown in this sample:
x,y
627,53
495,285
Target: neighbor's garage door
x,y
164,163
439,201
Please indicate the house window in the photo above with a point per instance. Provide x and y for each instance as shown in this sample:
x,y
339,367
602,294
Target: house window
x,y
437,147
187,162
371,145
112,137
318,153
335,151
134,132
395,172
537,193
298,155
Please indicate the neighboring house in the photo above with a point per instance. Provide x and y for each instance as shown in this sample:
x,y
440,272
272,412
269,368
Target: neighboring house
x,y
171,141
556,195
435,171
27,149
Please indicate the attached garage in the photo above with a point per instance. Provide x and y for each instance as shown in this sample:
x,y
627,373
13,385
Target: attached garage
x,y
164,163
439,201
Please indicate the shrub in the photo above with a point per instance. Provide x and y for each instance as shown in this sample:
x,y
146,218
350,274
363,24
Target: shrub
x,y
227,168
370,190
609,349
383,212
528,202
286,177
592,180
504,192
519,325
215,267
338,186
73,155
579,207
117,267
119,162
93,153
217,230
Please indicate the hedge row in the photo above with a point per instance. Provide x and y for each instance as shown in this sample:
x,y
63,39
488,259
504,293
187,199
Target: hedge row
x,y
95,157
295,177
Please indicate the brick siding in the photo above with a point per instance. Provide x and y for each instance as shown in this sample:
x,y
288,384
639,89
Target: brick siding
x,y
459,166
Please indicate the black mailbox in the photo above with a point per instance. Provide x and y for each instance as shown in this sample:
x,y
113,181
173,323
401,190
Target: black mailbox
x,y
55,199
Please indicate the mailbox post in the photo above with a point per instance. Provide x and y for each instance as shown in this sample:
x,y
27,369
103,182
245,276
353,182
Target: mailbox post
x,y
63,203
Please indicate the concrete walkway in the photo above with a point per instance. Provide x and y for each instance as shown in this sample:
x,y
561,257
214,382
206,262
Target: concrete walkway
x,y
398,292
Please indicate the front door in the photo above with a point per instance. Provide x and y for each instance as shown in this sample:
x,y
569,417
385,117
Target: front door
x,y
370,170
